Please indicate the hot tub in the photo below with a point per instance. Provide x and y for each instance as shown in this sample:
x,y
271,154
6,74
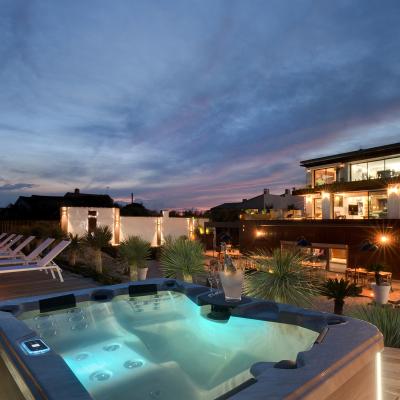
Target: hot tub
x,y
164,339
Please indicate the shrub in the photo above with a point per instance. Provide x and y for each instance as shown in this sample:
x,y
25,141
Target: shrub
x,y
281,277
182,258
136,251
385,318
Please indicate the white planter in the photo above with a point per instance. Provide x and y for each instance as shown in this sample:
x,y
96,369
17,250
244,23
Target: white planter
x,y
381,293
142,274
232,283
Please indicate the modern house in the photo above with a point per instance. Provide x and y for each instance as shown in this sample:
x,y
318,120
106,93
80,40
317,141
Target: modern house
x,y
47,208
269,205
363,184
350,199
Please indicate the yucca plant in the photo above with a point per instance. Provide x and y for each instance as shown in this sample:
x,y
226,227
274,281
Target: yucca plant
x,y
136,252
182,258
385,318
281,277
74,248
376,269
338,290
99,238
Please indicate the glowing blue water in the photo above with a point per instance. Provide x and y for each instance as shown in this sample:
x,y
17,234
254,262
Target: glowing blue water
x,y
162,347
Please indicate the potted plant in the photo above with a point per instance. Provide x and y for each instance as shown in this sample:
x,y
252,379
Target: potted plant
x,y
338,290
136,251
182,258
281,277
99,238
381,289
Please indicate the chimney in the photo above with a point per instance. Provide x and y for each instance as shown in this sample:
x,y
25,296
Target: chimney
x,y
76,192
131,198
266,191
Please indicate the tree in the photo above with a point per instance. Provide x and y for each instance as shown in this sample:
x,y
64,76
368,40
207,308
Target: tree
x,y
99,238
338,290
74,248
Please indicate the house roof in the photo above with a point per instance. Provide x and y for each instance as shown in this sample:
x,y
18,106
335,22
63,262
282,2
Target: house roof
x,y
372,152
48,207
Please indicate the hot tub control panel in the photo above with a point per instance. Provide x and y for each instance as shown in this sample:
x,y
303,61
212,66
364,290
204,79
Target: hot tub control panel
x,y
35,347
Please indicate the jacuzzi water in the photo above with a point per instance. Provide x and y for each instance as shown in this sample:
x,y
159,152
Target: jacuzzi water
x,y
162,347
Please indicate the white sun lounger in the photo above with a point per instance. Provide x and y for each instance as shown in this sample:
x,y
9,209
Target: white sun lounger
x,y
31,257
44,264
7,239
17,250
7,246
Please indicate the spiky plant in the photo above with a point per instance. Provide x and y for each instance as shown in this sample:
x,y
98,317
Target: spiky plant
x,y
99,238
281,277
74,248
385,318
136,251
338,290
376,269
182,258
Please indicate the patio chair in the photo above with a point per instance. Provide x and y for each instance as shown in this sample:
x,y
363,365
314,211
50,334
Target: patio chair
x,y
44,264
30,258
7,239
14,240
17,250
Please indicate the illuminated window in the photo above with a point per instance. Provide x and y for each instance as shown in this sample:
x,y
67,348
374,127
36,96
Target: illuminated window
x,y
324,176
378,204
359,172
392,166
376,169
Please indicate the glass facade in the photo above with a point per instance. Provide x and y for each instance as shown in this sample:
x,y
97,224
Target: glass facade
x,y
380,169
317,208
360,205
324,176
378,204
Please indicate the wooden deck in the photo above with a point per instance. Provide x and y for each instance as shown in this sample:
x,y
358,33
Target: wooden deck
x,y
35,283
391,373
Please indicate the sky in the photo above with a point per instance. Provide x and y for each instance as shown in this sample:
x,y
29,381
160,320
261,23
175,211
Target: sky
x,y
190,103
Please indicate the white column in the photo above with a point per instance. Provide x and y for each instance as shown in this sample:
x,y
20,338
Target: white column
x,y
394,202
327,205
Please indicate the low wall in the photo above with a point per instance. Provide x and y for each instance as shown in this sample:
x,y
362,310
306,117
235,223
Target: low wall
x,y
145,227
75,220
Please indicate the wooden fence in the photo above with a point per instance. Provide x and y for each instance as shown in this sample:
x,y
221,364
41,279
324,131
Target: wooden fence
x,y
27,226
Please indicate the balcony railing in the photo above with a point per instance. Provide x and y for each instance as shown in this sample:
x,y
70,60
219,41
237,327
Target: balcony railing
x,y
337,187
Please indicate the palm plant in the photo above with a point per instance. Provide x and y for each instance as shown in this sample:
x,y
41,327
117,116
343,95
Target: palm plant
x,y
74,248
182,258
99,238
386,319
136,251
376,269
281,277
338,290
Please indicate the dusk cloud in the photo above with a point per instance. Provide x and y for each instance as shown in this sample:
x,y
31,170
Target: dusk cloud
x,y
190,103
